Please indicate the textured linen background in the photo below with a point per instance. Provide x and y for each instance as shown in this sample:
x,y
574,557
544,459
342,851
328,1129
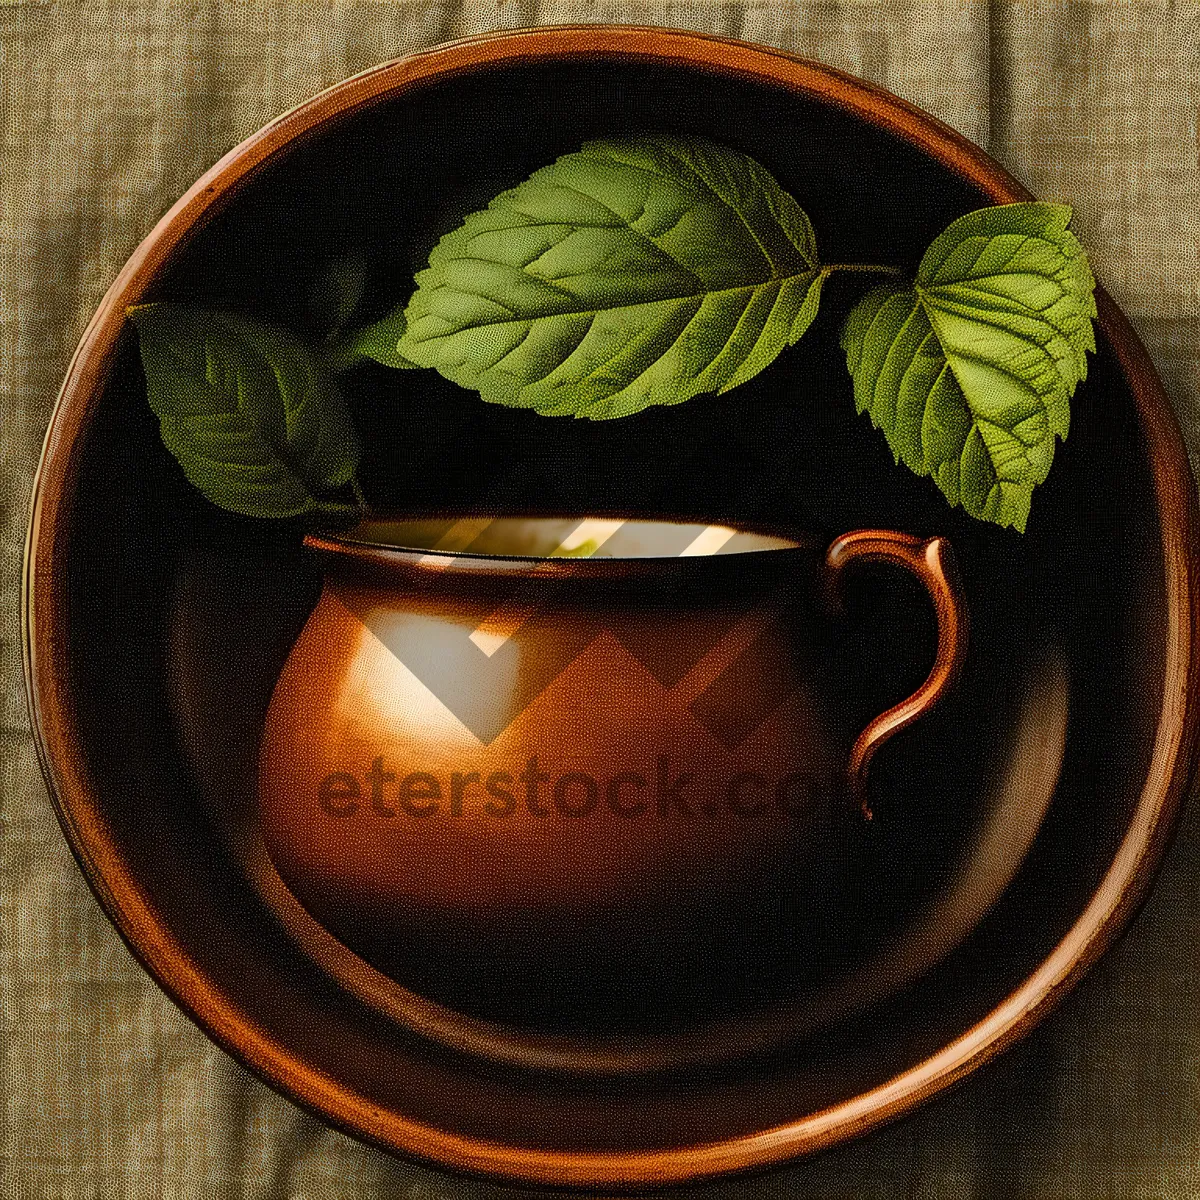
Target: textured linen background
x,y
110,111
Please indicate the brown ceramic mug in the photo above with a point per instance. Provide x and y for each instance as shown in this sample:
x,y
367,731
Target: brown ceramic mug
x,y
567,767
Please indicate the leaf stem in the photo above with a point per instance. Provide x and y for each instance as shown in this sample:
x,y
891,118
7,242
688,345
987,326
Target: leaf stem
x,y
339,353
356,488
336,508
877,268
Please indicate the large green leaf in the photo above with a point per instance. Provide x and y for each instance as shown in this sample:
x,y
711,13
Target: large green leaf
x,y
254,421
969,373
637,271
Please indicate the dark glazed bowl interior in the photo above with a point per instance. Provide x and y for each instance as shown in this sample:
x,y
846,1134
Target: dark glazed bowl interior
x,y
132,575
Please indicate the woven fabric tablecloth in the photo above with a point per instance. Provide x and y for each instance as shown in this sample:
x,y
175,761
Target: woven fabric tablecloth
x,y
110,111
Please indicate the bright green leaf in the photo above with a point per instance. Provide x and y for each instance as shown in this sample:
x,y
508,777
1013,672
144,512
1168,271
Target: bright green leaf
x,y
254,421
970,372
637,271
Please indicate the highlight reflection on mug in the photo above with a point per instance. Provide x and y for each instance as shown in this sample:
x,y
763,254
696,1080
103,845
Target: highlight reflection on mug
x,y
660,792
470,665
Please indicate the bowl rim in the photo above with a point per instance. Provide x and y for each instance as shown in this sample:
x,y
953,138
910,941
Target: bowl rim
x,y
79,807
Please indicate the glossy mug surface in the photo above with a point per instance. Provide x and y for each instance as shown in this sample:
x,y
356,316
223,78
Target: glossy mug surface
x,y
582,773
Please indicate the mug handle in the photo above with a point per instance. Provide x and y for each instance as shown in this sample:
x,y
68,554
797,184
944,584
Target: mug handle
x,y
932,561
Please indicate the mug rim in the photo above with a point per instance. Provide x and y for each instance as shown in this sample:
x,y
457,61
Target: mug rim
x,y
382,557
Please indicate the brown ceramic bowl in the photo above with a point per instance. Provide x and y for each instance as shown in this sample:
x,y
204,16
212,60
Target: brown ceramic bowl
x,y
1025,817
